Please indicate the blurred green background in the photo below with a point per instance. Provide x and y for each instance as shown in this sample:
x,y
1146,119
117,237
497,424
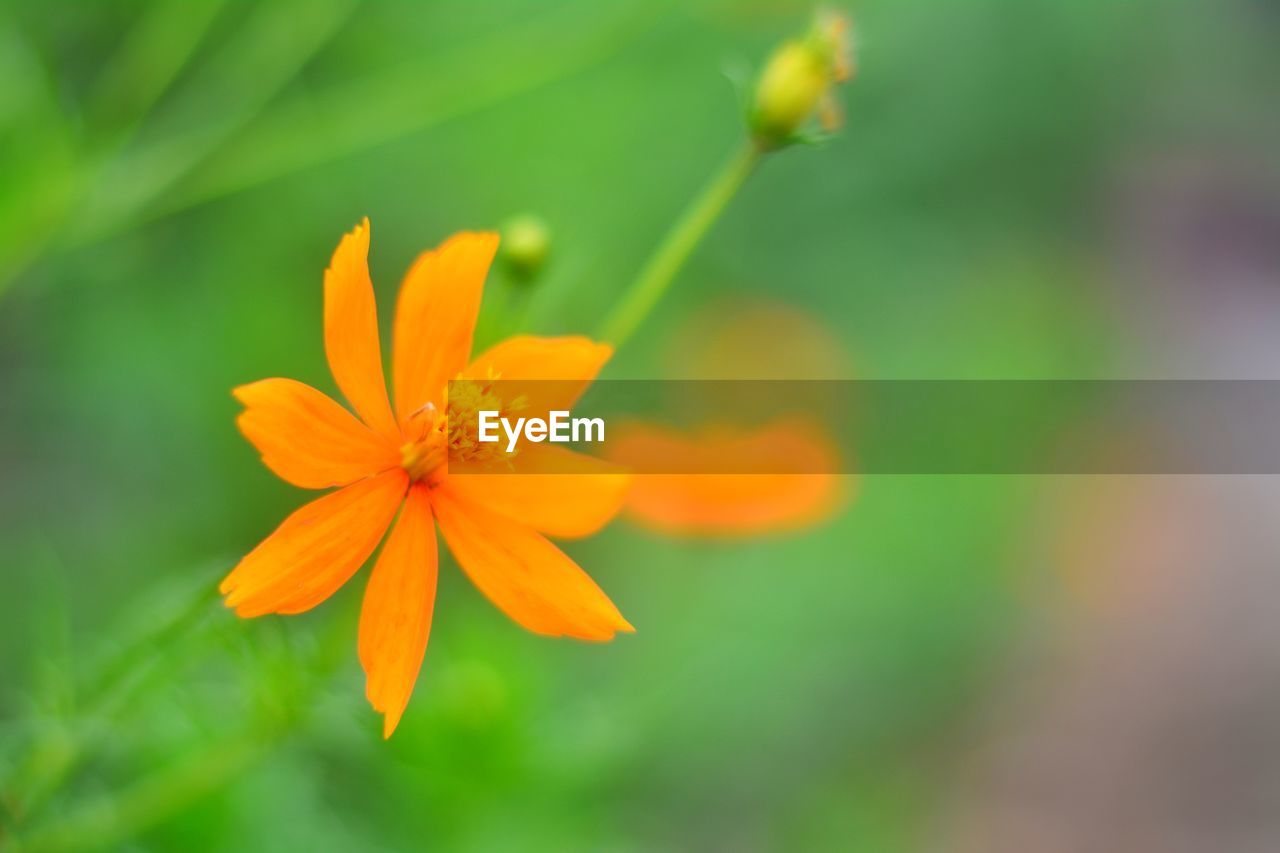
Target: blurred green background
x,y
173,177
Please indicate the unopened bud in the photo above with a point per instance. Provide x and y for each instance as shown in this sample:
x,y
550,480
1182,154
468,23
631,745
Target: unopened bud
x,y
798,82
526,240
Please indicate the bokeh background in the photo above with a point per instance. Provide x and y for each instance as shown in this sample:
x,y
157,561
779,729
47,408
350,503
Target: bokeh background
x,y
1071,189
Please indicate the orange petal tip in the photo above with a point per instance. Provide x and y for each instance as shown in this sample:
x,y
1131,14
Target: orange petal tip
x,y
486,241
240,391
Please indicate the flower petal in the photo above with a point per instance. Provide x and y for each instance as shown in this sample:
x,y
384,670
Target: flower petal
x,y
737,506
670,496
396,616
553,490
351,332
523,574
551,373
308,439
436,316
317,548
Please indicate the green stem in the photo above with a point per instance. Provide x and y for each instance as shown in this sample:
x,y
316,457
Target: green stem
x,y
55,752
125,813
664,264
135,657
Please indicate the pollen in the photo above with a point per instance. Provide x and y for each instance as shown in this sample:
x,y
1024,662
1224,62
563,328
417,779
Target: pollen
x,y
437,437
467,398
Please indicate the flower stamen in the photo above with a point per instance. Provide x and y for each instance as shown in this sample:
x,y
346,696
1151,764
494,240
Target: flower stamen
x,y
453,435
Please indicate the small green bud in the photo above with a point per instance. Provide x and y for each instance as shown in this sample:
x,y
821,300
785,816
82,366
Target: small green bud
x,y
526,239
798,81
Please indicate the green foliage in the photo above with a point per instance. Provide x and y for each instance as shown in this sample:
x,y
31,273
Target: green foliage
x,y
173,177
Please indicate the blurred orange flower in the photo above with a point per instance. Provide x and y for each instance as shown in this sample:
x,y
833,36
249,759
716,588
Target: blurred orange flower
x,y
390,460
710,481
703,497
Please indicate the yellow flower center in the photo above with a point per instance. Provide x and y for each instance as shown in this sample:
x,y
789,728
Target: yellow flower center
x,y
453,435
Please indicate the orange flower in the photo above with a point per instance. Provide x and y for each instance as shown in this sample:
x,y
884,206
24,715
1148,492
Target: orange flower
x,y
719,479
390,460
703,489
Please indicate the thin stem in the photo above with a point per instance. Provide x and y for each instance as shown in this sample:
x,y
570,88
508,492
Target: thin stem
x,y
139,175
125,813
164,636
56,751
669,257
296,135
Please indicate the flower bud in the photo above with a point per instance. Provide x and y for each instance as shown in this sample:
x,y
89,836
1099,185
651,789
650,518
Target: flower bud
x,y
798,81
525,242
